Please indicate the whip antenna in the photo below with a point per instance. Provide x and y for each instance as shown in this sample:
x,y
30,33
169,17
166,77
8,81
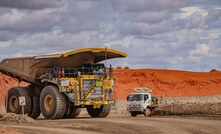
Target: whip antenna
x,y
105,56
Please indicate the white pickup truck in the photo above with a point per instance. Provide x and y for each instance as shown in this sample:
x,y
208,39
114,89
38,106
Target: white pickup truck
x,y
141,102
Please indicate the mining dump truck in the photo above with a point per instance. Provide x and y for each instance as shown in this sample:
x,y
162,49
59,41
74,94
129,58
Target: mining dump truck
x,y
61,84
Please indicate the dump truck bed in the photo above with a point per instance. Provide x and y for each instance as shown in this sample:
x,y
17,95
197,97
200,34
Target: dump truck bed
x,y
31,69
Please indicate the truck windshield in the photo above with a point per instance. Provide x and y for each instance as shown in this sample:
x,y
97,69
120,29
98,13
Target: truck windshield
x,y
135,97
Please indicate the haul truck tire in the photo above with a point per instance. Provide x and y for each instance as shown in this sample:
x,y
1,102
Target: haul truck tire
x,y
103,111
52,103
35,107
133,114
13,100
74,112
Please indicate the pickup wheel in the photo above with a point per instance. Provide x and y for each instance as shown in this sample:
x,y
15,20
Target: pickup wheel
x,y
103,111
12,99
133,114
52,103
147,112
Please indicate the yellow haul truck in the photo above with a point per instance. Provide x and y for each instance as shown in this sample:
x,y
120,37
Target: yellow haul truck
x,y
61,84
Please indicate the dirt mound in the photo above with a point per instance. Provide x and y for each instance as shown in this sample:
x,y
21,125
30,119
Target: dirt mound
x,y
13,118
168,82
192,99
189,109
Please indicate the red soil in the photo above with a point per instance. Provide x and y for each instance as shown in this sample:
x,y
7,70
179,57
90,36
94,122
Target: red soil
x,y
5,84
167,82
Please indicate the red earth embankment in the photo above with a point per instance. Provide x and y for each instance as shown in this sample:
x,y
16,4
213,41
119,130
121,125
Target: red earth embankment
x,y
5,84
168,82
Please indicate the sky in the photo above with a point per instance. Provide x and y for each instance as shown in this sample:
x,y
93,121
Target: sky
x,y
155,34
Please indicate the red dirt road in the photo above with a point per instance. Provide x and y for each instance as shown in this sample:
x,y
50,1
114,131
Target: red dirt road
x,y
6,130
120,125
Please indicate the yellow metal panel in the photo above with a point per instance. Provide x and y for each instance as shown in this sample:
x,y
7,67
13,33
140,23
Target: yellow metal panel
x,y
94,50
90,91
97,105
111,102
99,83
88,77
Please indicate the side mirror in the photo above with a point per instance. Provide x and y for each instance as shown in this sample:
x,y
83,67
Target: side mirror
x,y
127,98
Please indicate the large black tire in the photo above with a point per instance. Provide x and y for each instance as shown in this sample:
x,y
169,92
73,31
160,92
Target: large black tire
x,y
103,111
147,112
13,100
74,112
133,114
52,103
35,107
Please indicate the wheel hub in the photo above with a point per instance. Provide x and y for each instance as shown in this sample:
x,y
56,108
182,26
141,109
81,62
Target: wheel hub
x,y
13,103
48,103
147,112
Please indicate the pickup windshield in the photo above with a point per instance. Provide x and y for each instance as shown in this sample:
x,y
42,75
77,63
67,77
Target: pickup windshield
x,y
135,97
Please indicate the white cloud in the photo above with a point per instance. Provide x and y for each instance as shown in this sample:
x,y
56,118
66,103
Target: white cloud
x,y
171,60
145,28
125,42
106,27
211,34
150,5
112,43
193,60
154,33
202,49
11,17
32,21
189,11
153,17
206,51
85,5
218,8
18,54
5,43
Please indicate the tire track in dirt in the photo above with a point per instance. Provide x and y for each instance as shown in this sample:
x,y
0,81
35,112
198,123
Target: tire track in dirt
x,y
122,125
47,130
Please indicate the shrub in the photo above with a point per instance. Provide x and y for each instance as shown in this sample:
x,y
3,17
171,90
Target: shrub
x,y
126,68
213,70
118,67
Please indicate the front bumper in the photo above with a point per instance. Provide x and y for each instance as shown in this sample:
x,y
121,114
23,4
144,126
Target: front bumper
x,y
131,109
